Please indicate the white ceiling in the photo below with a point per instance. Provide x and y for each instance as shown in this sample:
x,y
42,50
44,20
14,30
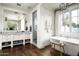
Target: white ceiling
x,y
24,6
51,6
29,6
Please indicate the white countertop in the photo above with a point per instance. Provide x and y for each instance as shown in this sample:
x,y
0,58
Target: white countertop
x,y
64,39
15,33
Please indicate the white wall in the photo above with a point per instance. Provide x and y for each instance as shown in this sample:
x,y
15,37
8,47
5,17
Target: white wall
x,y
43,14
43,35
22,23
1,23
29,21
1,19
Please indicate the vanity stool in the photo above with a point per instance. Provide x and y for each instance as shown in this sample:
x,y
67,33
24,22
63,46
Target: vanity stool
x,y
60,44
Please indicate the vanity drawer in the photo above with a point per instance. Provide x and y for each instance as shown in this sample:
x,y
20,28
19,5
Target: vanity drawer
x,y
22,36
0,38
27,36
6,38
18,37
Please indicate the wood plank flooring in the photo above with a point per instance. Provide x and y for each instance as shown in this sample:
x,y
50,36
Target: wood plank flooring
x,y
28,50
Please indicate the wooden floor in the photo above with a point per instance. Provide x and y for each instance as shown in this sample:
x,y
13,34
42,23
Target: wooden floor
x,y
28,50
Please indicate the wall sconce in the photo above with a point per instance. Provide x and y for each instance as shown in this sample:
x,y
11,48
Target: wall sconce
x,y
46,26
5,18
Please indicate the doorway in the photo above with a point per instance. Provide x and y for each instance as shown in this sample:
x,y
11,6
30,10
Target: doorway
x,y
34,15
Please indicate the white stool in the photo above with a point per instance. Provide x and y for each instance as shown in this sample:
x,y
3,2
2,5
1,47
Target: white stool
x,y
60,44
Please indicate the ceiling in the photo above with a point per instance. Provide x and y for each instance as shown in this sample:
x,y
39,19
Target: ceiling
x,y
24,6
29,6
51,6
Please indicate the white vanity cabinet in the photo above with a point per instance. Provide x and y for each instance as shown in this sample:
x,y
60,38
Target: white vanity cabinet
x,y
30,36
0,41
12,39
27,36
17,37
7,40
21,38
7,37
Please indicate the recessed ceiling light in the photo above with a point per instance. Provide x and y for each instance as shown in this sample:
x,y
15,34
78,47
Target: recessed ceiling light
x,y
24,14
18,4
29,7
16,12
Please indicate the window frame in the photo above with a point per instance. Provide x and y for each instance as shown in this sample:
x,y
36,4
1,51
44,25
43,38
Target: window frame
x,y
70,23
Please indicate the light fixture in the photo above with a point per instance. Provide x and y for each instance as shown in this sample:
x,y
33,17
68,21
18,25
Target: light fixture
x,y
18,4
29,7
64,6
5,18
16,12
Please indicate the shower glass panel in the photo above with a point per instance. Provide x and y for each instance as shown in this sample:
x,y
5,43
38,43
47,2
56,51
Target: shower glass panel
x,y
34,14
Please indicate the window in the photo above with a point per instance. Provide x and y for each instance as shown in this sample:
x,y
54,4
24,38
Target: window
x,y
69,23
75,21
66,23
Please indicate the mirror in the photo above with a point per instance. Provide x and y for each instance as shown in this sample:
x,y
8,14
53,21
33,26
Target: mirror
x,y
13,25
14,21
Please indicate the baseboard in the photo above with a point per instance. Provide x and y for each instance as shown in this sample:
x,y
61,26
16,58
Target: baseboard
x,y
65,54
42,46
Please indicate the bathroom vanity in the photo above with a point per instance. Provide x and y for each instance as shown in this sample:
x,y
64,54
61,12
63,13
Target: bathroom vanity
x,y
14,38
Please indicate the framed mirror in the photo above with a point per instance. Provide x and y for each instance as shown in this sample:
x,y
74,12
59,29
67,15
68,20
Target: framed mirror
x,y
14,21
